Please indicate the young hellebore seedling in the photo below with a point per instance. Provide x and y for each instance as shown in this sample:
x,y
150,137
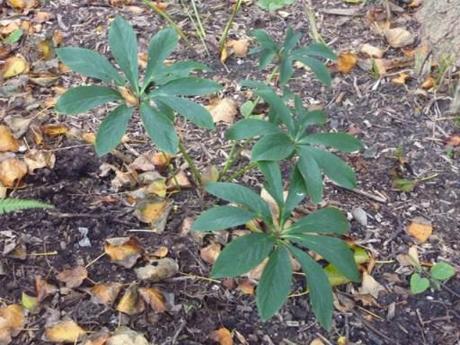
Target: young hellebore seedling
x,y
277,237
158,96
421,280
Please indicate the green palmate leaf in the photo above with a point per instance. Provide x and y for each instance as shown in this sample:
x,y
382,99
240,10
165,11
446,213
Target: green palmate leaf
x,y
317,67
275,283
273,5
160,128
340,141
178,70
264,39
221,218
418,284
291,39
242,255
273,147
281,112
286,70
83,98
333,250
161,46
317,49
442,271
326,220
123,45
235,193
310,118
193,112
14,36
296,192
112,129
311,174
273,180
188,87
266,56
89,63
249,128
321,298
335,168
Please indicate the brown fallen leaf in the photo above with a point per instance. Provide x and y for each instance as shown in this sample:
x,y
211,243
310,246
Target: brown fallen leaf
x,y
317,341
98,338
105,293
144,162
22,4
154,298
428,83
223,110
400,79
39,159
46,49
161,252
420,228
161,160
131,303
7,141
18,125
238,47
124,251
399,37
74,277
453,140
126,336
246,286
223,336
179,181
66,331
210,253
158,270
11,322
369,286
129,96
416,3
15,66
346,61
157,188
55,130
12,170
43,289
371,51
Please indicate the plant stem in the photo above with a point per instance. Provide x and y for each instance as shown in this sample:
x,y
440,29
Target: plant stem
x,y
197,25
168,19
224,36
195,173
242,171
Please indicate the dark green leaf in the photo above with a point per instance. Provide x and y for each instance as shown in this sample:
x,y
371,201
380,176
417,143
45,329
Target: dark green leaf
x,y
275,283
314,117
273,181
296,192
160,128
335,168
221,218
178,70
311,174
264,39
112,129
249,128
89,63
273,147
340,141
235,193
321,298
286,70
193,112
326,220
281,112
317,49
291,39
242,255
317,67
333,250
83,98
123,45
265,57
189,86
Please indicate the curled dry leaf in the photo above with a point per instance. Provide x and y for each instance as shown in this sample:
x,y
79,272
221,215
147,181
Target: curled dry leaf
x,y
210,253
346,61
223,110
14,66
223,336
98,338
18,125
131,303
246,286
154,298
370,286
150,211
400,79
371,51
105,293
210,174
128,96
399,37
66,331
73,278
124,251
161,252
157,188
22,4
39,159
7,141
143,163
11,322
420,228
43,289
158,270
428,83
161,160
12,170
239,47
126,336
180,180
453,141
55,130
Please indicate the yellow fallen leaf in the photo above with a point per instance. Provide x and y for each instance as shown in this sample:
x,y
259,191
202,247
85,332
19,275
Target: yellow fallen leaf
x,y
89,138
151,211
371,51
161,159
157,187
67,331
210,174
124,251
14,66
246,287
223,110
22,4
420,228
428,83
346,61
29,302
55,130
126,336
415,3
317,341
45,49
399,37
131,303
39,159
98,338
238,47
74,277
129,96
7,141
210,253
161,252
154,298
224,54
12,170
223,336
11,322
401,79
105,293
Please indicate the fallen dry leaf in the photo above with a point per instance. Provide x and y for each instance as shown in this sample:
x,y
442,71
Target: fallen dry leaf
x,y
453,140
18,125
14,66
158,270
210,253
39,159
239,47
12,170
128,96
131,303
371,51
151,211
416,3
317,341
11,322
246,286
98,338
161,160
105,293
179,181
346,61
55,130
399,37
43,289
223,110
126,336
161,252
124,251
144,162
22,4
210,174
157,187
73,277
370,286
154,298
7,141
420,228
400,79
66,331
428,83
223,336
30,303
46,49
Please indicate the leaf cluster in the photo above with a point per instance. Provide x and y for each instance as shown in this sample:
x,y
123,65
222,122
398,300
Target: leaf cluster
x,y
421,280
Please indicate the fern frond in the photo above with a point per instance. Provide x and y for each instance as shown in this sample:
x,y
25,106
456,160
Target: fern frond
x,y
12,205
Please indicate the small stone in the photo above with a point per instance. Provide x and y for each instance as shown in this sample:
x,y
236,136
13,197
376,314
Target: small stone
x,y
360,215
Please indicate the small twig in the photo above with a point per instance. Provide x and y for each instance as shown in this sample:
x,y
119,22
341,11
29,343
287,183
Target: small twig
x,y
44,254
380,199
94,260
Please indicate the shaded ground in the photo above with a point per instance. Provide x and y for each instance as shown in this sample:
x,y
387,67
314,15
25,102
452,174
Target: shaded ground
x,y
384,115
